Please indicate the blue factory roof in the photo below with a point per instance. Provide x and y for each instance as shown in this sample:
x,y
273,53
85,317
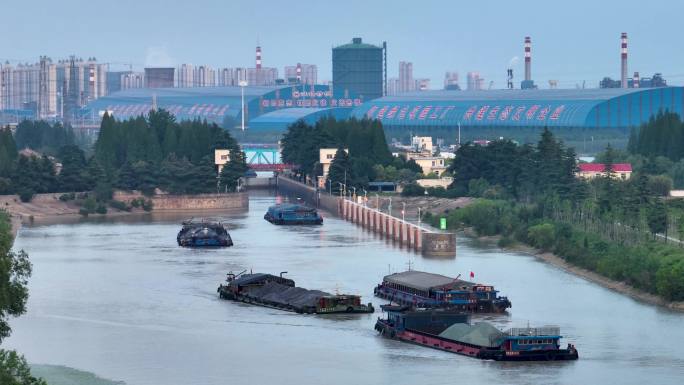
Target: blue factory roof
x,y
278,120
606,108
215,103
211,103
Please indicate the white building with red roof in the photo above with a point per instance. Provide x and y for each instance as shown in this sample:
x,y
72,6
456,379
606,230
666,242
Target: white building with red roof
x,y
621,171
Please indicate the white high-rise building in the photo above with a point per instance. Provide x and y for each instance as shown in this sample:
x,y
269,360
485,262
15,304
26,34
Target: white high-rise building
x,y
184,77
475,82
132,80
406,82
392,86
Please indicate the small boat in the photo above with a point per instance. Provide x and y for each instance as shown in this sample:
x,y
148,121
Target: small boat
x,y
421,289
450,330
203,233
293,214
281,293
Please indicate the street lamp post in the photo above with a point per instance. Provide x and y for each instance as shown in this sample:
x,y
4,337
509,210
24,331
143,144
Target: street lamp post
x,y
341,189
403,211
243,84
377,202
330,185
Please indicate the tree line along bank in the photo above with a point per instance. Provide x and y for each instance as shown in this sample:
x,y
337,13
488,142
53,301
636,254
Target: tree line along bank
x,y
145,153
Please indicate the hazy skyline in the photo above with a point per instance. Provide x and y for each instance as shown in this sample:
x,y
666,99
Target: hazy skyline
x,y
578,43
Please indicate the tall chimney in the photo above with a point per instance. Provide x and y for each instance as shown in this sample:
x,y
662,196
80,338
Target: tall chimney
x,y
623,54
528,58
635,80
258,57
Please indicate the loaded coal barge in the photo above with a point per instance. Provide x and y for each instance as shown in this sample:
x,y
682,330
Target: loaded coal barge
x,y
203,233
428,290
449,330
293,214
281,293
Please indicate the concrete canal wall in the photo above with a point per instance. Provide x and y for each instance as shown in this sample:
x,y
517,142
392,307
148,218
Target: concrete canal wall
x,y
415,236
191,202
261,183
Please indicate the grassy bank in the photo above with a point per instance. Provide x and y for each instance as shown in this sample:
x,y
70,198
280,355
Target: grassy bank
x,y
653,267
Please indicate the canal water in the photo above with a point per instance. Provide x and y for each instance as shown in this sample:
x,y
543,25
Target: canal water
x,y
119,299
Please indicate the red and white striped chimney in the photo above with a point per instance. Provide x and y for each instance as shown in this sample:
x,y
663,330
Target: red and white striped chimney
x,y
299,73
623,54
528,58
635,80
258,57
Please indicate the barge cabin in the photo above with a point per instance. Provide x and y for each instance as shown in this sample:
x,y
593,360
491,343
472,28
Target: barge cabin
x,y
281,293
293,214
447,329
203,233
421,289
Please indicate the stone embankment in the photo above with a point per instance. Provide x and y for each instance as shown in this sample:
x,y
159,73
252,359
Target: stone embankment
x,y
48,207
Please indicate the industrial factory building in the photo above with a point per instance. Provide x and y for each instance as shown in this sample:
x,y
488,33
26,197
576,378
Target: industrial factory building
x,y
221,105
509,113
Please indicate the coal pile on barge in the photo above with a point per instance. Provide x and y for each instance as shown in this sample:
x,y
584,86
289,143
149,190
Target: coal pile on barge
x,y
281,293
203,233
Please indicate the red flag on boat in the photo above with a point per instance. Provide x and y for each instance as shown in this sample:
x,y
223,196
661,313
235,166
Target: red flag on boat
x,y
472,275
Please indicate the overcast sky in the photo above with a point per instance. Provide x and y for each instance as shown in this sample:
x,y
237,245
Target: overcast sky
x,y
573,42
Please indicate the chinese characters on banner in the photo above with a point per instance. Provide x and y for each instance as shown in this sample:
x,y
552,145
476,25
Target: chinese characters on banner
x,y
476,113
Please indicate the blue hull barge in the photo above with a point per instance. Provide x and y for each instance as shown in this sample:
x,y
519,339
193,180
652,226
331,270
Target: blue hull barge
x,y
449,330
293,214
281,293
428,290
203,233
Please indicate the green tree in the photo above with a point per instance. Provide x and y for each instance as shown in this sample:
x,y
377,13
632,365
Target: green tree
x,y
233,170
8,152
542,236
660,185
340,171
14,370
72,177
657,218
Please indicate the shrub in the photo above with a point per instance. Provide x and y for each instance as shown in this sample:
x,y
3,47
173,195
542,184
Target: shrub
x,y
83,211
121,206
506,241
67,197
101,209
90,205
147,204
413,189
542,236
26,195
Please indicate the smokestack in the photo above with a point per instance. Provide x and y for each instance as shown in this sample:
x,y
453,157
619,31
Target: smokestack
x,y
258,57
635,80
623,54
299,73
528,58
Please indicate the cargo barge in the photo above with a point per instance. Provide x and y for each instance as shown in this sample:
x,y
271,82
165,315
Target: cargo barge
x,y
203,233
281,293
428,290
449,330
293,214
